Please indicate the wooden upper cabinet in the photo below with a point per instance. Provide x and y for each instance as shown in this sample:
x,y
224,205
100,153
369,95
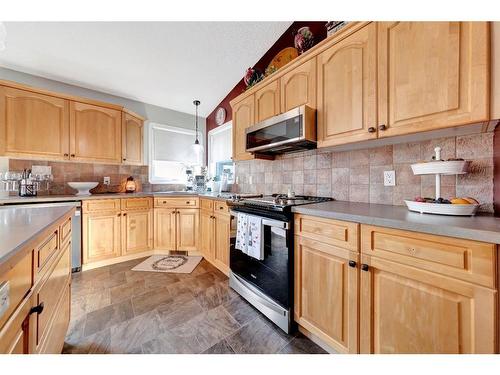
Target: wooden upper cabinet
x,y
347,89
95,133
243,117
267,101
33,125
298,87
407,310
432,75
132,139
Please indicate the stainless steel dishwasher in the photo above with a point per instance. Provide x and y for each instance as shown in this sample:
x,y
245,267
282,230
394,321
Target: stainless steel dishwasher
x,y
76,227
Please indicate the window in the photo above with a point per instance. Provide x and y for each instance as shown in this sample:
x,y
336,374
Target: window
x,y
170,152
220,149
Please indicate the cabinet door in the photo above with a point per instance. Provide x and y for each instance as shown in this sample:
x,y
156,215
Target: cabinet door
x,y
432,75
406,310
187,228
132,139
347,89
164,228
95,133
243,117
207,234
326,293
15,335
267,101
298,87
33,125
221,244
101,236
137,231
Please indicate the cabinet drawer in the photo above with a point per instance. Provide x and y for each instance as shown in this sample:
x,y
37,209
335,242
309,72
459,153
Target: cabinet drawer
x,y
463,259
51,290
20,281
221,207
136,204
101,205
65,230
207,204
46,250
180,202
333,232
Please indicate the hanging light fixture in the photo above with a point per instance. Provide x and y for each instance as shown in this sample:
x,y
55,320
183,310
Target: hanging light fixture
x,y
197,147
3,36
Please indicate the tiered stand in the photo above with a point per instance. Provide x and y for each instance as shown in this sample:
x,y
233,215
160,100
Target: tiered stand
x,y
439,168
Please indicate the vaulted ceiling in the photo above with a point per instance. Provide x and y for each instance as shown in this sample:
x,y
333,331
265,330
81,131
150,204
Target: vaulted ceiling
x,y
163,63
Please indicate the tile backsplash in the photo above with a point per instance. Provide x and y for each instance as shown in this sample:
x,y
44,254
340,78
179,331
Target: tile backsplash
x,y
357,175
64,172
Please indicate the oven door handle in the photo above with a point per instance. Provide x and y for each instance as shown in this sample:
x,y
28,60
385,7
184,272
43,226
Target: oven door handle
x,y
266,221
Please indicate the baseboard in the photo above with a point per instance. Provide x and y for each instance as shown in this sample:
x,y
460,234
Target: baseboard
x,y
317,340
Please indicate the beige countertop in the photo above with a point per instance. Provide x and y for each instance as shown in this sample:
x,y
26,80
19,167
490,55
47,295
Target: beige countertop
x,y
481,227
14,199
20,225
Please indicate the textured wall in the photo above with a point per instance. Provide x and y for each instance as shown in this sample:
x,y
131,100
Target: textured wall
x,y
358,175
66,172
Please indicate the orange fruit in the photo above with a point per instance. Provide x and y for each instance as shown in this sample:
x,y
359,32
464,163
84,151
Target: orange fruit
x,y
471,200
459,201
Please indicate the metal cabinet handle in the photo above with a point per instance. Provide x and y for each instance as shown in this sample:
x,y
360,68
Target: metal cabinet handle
x,y
37,309
66,154
352,264
124,159
188,202
124,214
173,211
72,155
119,215
382,127
364,267
371,129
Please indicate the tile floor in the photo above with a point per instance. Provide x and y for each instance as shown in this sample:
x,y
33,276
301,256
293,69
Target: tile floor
x,y
116,310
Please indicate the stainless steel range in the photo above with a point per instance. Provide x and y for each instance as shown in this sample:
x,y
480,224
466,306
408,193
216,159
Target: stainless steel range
x,y
267,282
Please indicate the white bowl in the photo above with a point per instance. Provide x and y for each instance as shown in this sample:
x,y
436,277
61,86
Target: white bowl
x,y
443,209
83,187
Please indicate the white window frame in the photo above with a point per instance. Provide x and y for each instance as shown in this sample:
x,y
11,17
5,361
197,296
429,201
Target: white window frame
x,y
151,146
211,133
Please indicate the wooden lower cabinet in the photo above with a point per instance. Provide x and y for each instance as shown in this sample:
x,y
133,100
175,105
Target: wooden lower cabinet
x,y
395,295
164,228
137,231
407,310
101,236
40,319
222,231
207,235
326,293
187,224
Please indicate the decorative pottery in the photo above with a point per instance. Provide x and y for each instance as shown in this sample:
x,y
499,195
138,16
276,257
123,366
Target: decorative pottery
x,y
252,77
304,39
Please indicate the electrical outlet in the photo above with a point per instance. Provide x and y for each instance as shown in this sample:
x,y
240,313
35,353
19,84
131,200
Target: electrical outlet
x,y
389,178
107,180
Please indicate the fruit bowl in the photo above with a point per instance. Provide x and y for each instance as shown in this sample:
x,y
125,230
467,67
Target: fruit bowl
x,y
83,187
442,209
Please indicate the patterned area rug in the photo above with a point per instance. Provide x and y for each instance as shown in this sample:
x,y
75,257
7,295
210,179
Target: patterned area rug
x,y
169,263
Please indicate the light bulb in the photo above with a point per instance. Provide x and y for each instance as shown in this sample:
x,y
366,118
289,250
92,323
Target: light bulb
x,y
198,152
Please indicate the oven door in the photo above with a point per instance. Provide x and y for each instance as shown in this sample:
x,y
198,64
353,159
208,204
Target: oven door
x,y
273,274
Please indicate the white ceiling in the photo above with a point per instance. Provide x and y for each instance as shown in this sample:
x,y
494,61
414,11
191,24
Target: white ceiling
x,y
163,63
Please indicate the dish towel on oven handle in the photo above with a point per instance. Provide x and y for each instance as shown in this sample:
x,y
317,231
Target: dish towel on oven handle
x,y
242,233
255,244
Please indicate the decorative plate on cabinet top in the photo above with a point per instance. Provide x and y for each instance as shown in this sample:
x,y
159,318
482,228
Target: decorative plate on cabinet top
x,y
281,59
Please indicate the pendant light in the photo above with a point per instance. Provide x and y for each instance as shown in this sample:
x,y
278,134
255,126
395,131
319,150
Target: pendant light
x,y
197,147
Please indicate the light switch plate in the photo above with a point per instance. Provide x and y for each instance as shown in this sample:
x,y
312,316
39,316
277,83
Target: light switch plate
x,y
4,297
389,178
107,180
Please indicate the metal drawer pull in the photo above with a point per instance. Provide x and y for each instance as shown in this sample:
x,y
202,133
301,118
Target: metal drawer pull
x,y
352,264
364,267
